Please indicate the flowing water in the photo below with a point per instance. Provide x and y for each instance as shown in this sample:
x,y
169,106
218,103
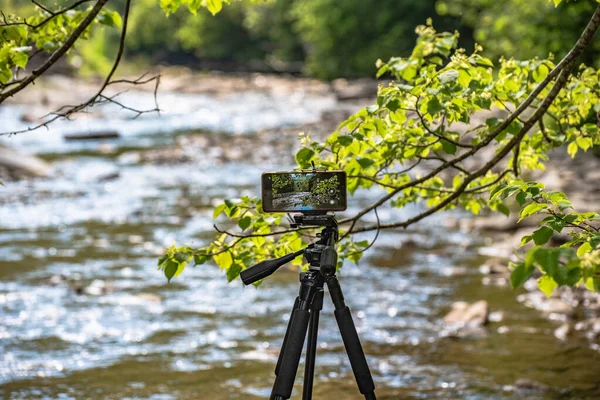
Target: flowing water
x,y
86,315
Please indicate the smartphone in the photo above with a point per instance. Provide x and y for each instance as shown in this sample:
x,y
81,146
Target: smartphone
x,y
304,191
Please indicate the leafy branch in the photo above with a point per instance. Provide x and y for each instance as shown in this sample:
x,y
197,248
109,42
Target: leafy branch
x,y
19,36
406,143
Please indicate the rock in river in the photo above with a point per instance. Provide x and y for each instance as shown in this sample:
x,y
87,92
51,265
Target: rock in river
x,y
591,327
14,165
473,315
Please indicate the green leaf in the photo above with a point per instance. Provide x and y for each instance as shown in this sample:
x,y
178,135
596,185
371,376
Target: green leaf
x,y
542,235
233,272
523,197
547,285
593,285
182,257
169,6
244,222
218,210
365,162
573,276
474,206
448,147
117,20
520,274
393,105
547,259
233,211
223,260
200,259
497,191
503,209
482,61
110,18
171,269
525,240
194,5
214,6
303,157
345,140
372,108
531,209
5,75
557,2
20,58
584,248
584,142
434,106
572,149
448,76
160,260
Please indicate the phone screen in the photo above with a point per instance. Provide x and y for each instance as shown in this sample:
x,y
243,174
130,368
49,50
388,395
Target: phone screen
x,y
304,191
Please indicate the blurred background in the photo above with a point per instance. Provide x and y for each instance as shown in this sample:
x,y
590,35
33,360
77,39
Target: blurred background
x,y
326,39
88,205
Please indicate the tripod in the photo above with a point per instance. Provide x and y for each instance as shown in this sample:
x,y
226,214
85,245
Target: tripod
x,y
322,259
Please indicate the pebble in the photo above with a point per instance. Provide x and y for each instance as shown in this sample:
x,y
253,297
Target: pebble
x,y
19,166
494,267
530,384
473,315
562,332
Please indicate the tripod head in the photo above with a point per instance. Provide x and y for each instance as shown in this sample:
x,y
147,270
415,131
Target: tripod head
x,y
320,255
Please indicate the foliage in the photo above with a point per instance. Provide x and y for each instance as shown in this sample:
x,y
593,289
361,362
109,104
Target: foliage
x,y
20,38
192,36
414,123
343,38
558,266
234,256
524,29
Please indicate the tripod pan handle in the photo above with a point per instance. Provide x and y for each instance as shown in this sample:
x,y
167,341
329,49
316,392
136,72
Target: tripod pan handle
x,y
266,268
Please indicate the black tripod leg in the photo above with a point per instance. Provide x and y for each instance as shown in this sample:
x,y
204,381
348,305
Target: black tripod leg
x,y
311,347
290,355
285,338
362,374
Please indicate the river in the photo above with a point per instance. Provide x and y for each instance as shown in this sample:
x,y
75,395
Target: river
x,y
86,315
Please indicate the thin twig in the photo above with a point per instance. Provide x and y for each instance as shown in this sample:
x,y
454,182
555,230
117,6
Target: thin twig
x,y
374,239
249,235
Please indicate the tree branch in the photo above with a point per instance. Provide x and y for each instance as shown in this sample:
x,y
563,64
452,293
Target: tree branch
x,y
563,65
99,98
559,84
250,235
61,51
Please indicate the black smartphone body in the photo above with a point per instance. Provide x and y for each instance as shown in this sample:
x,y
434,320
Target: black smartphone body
x,y
304,191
